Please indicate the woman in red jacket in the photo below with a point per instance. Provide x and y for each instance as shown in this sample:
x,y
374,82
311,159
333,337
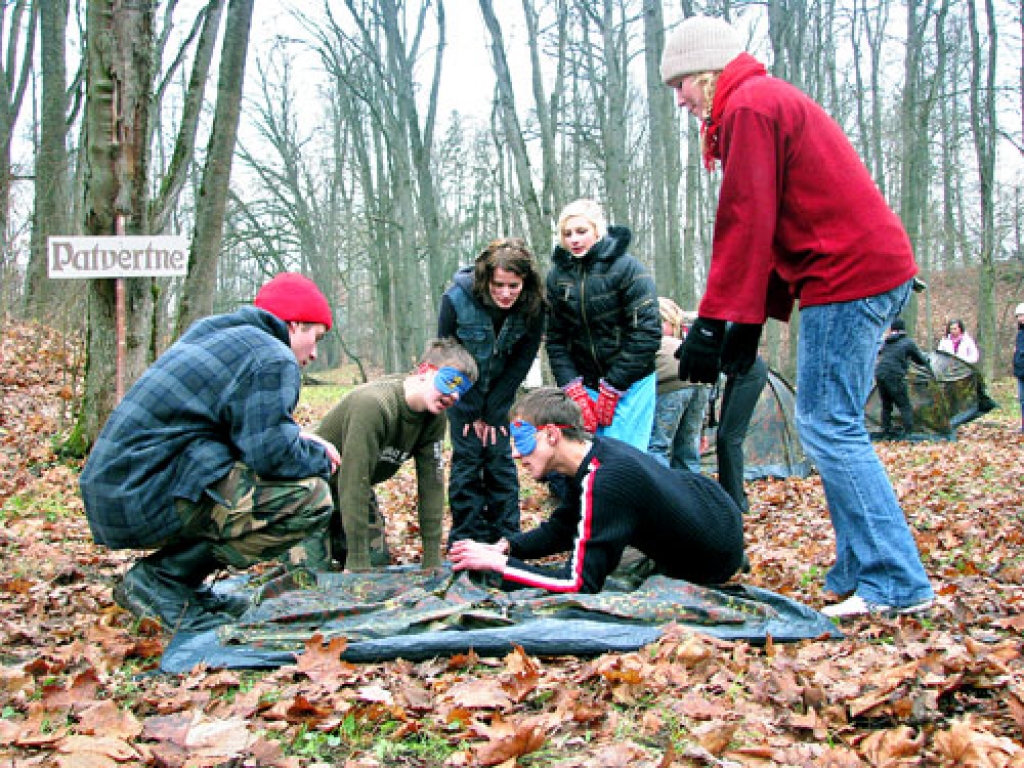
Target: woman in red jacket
x,y
799,217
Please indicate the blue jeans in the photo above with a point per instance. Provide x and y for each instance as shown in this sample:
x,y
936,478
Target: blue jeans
x,y
876,556
678,420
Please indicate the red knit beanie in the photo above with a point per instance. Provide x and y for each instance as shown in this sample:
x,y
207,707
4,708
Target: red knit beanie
x,y
290,296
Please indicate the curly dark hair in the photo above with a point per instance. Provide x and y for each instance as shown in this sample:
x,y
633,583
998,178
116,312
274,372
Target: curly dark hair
x,y
512,255
958,322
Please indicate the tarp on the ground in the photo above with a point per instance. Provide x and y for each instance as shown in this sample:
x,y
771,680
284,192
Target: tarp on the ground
x,y
410,614
942,402
772,447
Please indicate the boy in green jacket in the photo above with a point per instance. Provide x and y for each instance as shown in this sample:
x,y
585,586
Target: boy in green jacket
x,y
376,427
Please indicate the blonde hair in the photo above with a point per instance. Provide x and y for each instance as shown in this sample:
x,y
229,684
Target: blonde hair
x,y
587,209
672,314
707,81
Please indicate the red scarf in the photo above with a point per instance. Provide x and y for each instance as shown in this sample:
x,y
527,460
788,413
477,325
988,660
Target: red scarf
x,y
736,72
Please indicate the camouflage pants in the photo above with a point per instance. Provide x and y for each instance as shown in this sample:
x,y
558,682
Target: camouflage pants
x,y
334,541
254,520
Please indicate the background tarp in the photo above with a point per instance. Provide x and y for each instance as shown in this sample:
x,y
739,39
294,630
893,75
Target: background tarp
x,y
941,402
771,448
410,614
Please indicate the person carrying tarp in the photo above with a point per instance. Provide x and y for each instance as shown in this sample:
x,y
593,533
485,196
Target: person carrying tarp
x,y
203,462
616,496
898,349
376,427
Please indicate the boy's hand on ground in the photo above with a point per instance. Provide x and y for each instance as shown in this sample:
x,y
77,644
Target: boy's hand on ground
x,y
468,555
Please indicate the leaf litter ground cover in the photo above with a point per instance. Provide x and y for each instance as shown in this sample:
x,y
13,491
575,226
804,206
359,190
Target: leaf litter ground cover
x,y
78,688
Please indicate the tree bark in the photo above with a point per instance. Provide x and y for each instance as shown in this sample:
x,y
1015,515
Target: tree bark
x,y
984,126
18,21
52,184
119,49
506,110
197,296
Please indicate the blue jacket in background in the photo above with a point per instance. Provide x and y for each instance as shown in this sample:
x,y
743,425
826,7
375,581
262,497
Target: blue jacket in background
x,y
503,359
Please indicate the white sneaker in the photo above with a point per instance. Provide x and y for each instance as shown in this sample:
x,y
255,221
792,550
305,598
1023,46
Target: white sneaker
x,y
858,606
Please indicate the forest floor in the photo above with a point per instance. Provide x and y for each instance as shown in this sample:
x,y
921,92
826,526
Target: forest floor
x,y
79,686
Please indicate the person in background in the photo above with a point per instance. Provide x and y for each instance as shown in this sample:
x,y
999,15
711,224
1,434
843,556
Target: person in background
x,y
800,218
496,309
898,349
617,496
604,330
959,343
1018,360
203,463
679,409
376,427
739,401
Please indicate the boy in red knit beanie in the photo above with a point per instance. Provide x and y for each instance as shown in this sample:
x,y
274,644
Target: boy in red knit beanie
x,y
203,462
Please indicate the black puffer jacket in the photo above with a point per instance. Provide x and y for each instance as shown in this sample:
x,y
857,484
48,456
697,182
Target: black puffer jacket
x,y
604,314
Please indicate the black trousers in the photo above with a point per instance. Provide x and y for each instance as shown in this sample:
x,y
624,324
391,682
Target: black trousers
x,y
893,392
483,485
739,399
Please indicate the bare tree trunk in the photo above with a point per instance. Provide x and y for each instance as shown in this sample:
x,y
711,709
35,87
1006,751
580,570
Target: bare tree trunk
x,y
663,158
18,27
119,49
608,83
52,192
506,108
548,107
984,126
185,146
197,297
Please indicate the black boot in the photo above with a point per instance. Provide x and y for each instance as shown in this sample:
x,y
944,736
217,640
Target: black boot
x,y
198,562
167,585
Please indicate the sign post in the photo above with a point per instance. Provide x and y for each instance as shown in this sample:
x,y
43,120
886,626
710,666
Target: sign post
x,y
117,257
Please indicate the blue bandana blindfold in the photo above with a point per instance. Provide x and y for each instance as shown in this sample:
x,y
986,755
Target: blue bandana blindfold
x,y
524,435
449,380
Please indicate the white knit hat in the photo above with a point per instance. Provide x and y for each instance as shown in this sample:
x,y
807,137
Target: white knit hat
x,y
699,44
589,210
1019,310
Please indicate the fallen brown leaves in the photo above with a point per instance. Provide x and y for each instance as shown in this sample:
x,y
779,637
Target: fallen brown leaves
x,y
78,681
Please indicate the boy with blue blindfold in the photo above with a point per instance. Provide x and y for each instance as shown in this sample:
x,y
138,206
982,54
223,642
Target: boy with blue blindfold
x,y
376,428
617,496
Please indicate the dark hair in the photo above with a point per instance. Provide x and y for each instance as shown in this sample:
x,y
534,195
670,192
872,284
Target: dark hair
x,y
550,405
512,255
448,351
898,324
957,321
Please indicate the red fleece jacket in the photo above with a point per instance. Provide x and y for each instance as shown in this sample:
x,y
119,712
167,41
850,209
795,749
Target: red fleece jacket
x,y
799,216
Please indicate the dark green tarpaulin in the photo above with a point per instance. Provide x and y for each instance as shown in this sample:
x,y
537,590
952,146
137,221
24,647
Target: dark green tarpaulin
x,y
402,613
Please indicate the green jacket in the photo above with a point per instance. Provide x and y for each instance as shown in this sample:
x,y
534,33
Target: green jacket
x,y
376,432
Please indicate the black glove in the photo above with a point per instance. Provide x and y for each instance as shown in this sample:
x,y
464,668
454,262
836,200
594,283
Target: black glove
x,y
740,348
700,354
